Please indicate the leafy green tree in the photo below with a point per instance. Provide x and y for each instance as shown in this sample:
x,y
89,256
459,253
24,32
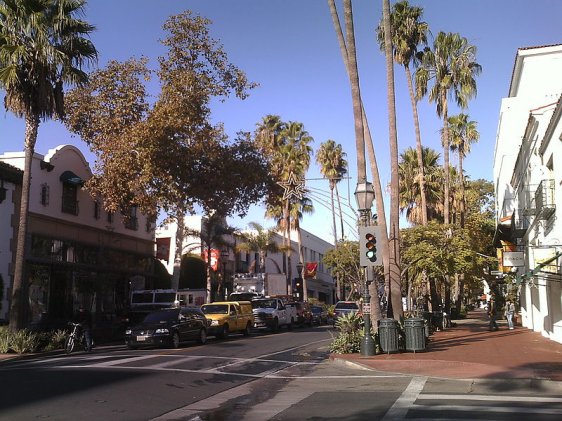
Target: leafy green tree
x,y
452,66
408,33
343,263
43,46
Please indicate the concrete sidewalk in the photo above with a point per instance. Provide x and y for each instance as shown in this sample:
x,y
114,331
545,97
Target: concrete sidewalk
x,y
470,350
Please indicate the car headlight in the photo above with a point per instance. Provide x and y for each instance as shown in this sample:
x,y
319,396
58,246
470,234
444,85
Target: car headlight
x,y
162,330
214,322
128,331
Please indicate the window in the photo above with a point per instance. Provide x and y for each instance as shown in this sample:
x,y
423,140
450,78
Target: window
x,y
44,194
69,198
130,219
110,217
97,209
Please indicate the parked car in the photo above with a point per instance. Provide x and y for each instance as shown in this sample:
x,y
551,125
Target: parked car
x,y
343,308
168,327
229,316
304,315
319,315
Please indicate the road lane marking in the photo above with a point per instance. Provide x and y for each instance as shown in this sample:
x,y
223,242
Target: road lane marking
x,y
497,398
488,408
406,400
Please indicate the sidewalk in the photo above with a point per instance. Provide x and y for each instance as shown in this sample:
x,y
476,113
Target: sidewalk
x,y
470,350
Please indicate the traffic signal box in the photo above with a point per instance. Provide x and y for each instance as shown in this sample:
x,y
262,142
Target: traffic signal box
x,y
369,249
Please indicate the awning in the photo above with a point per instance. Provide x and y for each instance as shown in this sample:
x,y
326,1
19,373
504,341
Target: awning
x,y
70,178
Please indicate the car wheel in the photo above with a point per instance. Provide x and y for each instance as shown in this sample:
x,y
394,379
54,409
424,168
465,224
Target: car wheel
x,y
175,340
202,337
246,332
225,331
290,325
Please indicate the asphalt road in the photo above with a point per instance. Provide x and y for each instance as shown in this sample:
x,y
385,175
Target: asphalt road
x,y
283,376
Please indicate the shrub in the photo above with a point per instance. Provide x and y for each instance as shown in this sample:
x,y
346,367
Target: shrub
x,y
5,339
56,340
350,334
24,341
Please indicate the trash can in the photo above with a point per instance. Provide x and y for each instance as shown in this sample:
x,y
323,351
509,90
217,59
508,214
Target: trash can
x,y
388,335
415,334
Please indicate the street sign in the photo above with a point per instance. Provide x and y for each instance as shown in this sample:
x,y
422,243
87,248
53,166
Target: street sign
x,y
367,308
513,258
496,273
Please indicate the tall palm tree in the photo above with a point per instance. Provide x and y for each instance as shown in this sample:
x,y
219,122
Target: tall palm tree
x,y
43,47
333,166
394,240
408,32
379,198
463,133
452,66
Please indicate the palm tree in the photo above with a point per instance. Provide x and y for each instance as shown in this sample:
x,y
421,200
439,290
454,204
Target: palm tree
x,y
410,197
463,133
42,50
297,211
394,240
333,166
261,241
452,66
346,55
408,32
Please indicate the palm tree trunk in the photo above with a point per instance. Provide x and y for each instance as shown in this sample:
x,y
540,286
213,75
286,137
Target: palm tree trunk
x,y
445,161
463,199
333,212
375,304
340,211
287,218
19,308
421,172
395,281
301,259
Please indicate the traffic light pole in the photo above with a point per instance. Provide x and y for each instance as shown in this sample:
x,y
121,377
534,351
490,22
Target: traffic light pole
x,y
368,343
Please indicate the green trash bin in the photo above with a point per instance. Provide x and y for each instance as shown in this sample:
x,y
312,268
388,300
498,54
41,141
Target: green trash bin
x,y
415,334
388,335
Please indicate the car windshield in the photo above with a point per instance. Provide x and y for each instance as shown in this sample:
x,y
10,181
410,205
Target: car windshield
x,y
215,309
316,309
264,304
163,316
347,306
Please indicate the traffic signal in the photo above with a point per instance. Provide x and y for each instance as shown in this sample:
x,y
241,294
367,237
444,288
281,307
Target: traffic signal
x,y
368,248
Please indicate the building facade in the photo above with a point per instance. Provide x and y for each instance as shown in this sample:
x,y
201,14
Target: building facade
x,y
528,186
10,194
77,253
227,261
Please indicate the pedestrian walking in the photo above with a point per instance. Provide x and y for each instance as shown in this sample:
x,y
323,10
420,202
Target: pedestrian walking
x,y
492,314
509,312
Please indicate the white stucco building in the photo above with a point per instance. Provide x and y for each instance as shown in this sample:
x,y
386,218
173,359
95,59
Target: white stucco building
x,y
528,186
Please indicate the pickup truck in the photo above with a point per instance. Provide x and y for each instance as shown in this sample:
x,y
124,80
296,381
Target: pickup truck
x,y
229,316
272,313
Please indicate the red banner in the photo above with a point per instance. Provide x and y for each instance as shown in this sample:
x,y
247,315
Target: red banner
x,y
215,254
163,248
310,269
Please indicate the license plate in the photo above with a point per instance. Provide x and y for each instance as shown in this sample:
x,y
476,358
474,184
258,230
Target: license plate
x,y
141,338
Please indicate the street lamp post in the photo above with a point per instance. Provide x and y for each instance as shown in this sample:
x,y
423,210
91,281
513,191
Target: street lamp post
x,y
224,257
364,195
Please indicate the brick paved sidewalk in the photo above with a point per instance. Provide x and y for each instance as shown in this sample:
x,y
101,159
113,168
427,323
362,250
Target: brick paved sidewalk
x,y
470,350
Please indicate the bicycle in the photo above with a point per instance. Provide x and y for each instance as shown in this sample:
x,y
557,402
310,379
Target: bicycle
x,y
76,336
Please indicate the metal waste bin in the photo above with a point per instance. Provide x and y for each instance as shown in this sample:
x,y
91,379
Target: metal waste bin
x,y
415,334
388,335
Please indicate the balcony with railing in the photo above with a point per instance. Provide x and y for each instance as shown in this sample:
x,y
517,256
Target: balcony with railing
x,y
544,200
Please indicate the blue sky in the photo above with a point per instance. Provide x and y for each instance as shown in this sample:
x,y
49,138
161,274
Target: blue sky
x,y
289,47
